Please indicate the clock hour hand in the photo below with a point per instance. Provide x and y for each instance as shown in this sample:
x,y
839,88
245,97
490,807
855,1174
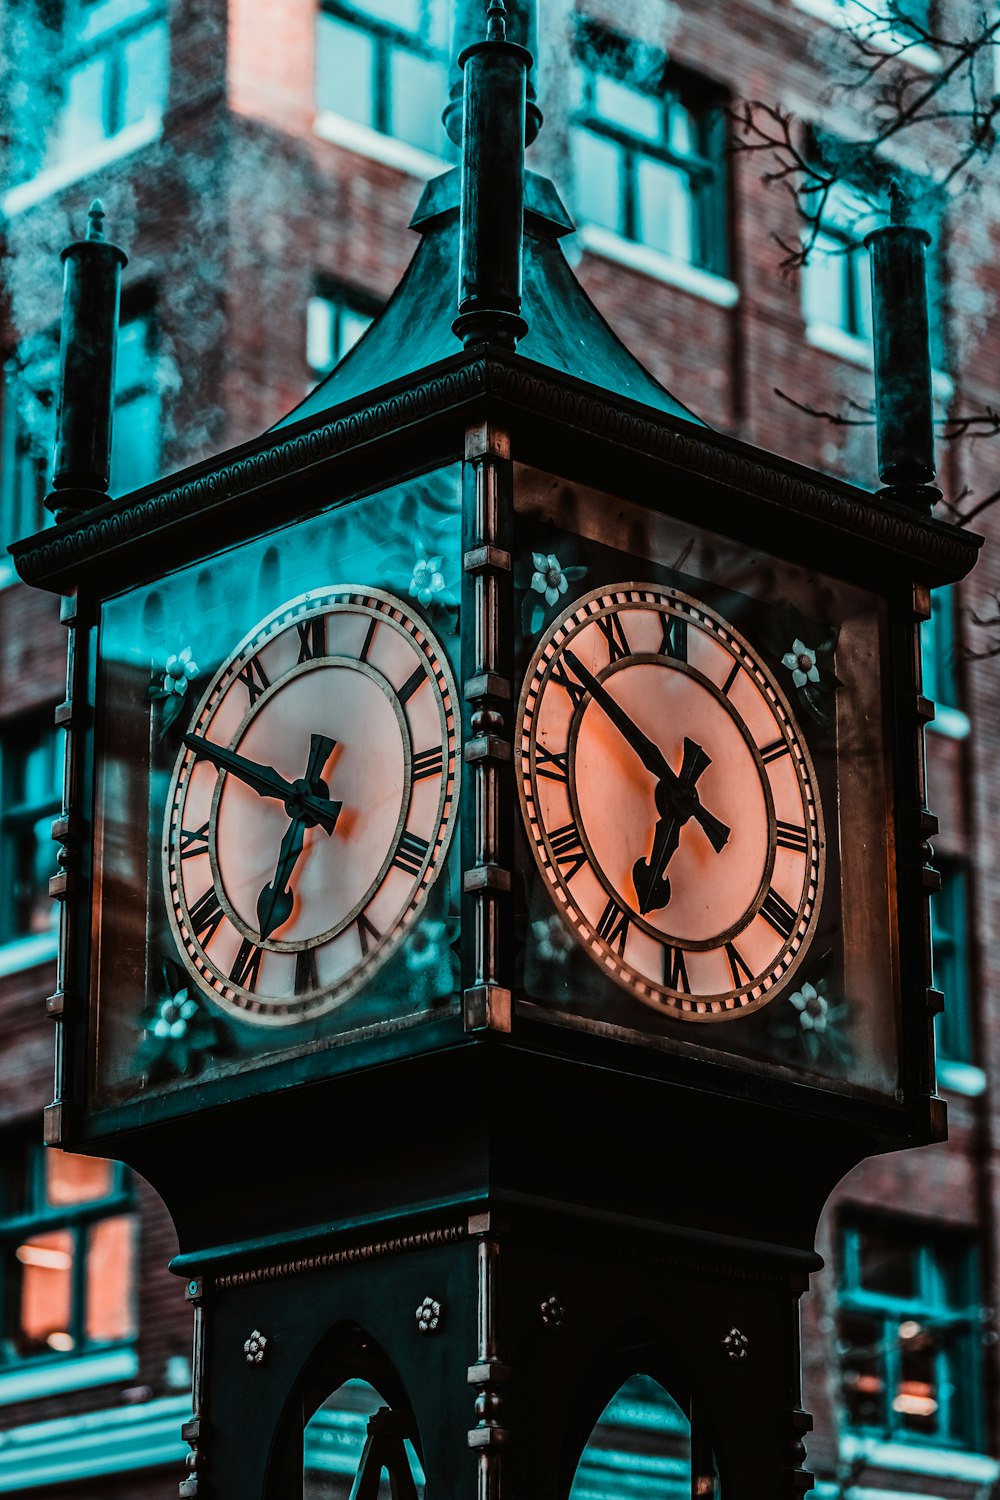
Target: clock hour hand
x,y
298,797
675,805
276,901
650,754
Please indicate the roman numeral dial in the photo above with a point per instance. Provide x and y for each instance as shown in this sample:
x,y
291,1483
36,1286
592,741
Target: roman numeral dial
x,y
670,801
312,805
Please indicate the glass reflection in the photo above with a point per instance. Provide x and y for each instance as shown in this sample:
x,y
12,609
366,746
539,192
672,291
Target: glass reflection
x,y
334,1448
641,1444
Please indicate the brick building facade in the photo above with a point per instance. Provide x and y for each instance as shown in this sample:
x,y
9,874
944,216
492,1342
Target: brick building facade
x,y
260,162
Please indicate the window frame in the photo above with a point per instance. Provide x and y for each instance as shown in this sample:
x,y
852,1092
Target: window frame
x,y
18,736
78,40
344,301
600,51
36,1216
386,38
939,1258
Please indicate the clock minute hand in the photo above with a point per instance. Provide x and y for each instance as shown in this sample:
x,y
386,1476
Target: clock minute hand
x,y
266,781
649,753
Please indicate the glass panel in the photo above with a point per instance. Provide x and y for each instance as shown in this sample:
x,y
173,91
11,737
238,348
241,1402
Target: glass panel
x,y
916,1400
345,61
886,1265
597,179
132,359
34,863
627,108
861,275
135,453
862,1370
682,129
438,23
76,1179
417,92
320,326
665,210
84,121
645,1422
334,1439
352,326
405,14
145,81
824,283
44,1265
111,1280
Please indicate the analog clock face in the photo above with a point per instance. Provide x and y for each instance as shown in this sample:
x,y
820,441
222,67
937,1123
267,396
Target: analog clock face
x,y
312,804
670,801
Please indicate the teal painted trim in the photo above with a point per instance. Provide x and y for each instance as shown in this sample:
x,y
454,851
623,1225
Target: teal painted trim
x,y
29,1381
94,1444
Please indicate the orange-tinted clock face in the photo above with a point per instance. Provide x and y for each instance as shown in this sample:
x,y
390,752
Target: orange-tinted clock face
x,y
670,801
312,804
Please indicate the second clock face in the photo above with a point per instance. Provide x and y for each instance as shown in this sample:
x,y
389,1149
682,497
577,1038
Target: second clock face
x,y
671,802
312,804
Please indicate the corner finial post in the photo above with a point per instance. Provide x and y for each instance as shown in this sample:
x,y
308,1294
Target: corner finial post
x,y
491,236
91,295
904,408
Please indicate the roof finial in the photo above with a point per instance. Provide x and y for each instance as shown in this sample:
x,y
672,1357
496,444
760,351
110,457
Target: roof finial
x,y
496,21
95,220
899,203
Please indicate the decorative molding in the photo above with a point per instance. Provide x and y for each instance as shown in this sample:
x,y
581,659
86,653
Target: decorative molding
x,y
279,1270
52,558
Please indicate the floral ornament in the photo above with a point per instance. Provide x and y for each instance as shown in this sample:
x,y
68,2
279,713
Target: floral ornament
x,y
553,944
170,683
736,1345
812,1007
255,1347
427,580
177,1031
428,1315
547,582
808,658
801,662
431,959
553,1313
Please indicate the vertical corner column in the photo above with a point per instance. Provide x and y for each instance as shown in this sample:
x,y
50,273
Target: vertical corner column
x,y
488,502
67,1003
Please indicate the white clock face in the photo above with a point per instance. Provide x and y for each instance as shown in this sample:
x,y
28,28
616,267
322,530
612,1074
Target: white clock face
x,y
670,801
312,804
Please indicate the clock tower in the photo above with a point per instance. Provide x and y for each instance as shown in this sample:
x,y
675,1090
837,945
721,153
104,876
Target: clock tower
x,y
495,863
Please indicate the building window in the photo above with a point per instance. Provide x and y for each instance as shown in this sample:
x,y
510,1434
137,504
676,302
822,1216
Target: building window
x,y
938,650
908,1335
384,64
107,64
68,1242
30,797
27,434
836,277
335,320
950,944
648,145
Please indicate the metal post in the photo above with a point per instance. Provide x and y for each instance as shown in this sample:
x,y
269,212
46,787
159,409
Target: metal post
x,y
492,222
91,290
467,29
903,397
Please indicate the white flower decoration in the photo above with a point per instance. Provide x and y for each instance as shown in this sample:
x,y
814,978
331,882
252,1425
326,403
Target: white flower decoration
x,y
552,941
801,662
548,578
179,671
427,580
811,1006
174,1014
428,945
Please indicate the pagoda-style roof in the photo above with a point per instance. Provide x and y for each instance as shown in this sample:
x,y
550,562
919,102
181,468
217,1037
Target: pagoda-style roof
x,y
414,329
